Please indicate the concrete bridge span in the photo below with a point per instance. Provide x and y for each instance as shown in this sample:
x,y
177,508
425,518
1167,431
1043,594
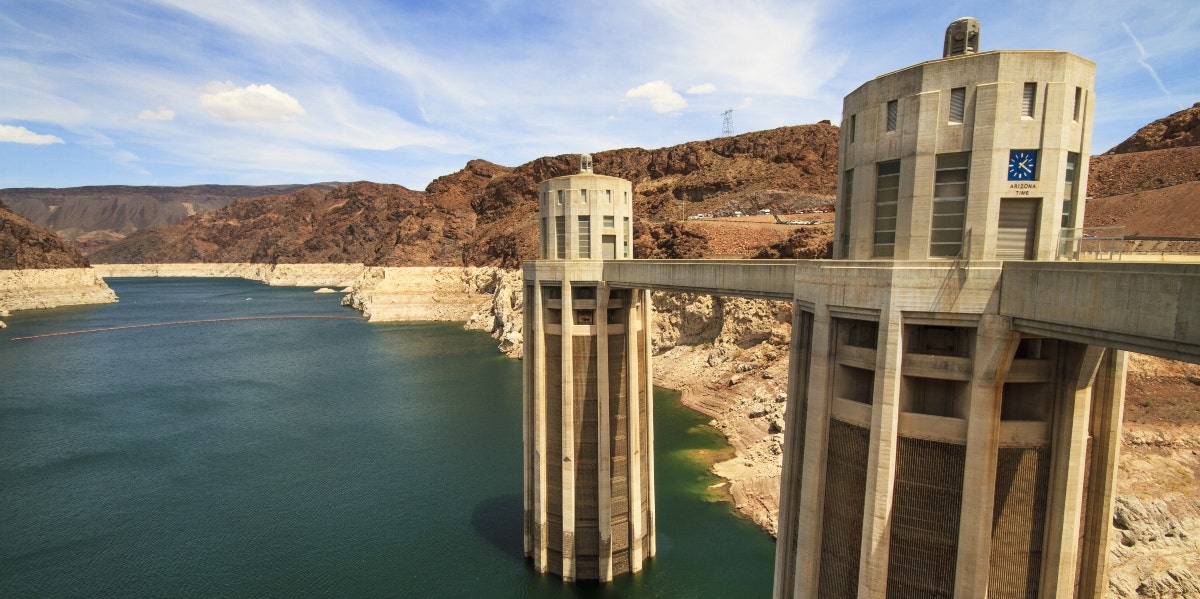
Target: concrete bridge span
x,y
1145,307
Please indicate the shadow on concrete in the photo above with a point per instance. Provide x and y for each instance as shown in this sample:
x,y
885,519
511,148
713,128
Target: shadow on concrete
x,y
499,520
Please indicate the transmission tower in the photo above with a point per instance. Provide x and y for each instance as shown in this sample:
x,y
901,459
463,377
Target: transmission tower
x,y
727,124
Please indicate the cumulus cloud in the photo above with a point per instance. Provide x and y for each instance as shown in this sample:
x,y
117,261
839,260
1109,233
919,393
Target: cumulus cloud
x,y
661,96
165,114
252,103
703,88
21,135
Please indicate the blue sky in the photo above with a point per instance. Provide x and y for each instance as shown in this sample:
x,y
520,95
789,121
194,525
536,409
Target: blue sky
x,y
177,92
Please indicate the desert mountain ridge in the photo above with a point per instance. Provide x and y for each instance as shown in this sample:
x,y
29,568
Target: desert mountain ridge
x,y
485,213
24,244
95,216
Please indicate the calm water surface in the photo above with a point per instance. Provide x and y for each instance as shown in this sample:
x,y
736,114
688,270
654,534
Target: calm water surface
x,y
299,458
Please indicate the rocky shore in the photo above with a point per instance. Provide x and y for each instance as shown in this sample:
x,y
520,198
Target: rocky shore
x,y
37,288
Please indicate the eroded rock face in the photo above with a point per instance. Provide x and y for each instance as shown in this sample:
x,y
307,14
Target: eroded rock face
x,y
1174,131
24,245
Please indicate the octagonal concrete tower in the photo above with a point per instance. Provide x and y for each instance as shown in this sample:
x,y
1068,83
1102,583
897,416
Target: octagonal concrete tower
x,y
976,156
589,465
937,446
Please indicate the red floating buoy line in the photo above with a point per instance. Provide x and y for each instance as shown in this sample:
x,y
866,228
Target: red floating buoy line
x,y
182,322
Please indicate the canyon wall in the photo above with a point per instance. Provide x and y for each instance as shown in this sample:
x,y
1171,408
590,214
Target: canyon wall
x,y
280,275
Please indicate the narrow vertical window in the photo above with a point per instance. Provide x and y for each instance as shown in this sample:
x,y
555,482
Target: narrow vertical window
x,y
1078,104
608,195
583,195
949,205
560,197
893,114
626,233
852,126
545,237
847,205
1028,99
887,194
958,102
585,237
1071,176
560,236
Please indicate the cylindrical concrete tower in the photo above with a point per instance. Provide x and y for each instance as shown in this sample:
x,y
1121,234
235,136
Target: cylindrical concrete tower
x,y
936,446
589,463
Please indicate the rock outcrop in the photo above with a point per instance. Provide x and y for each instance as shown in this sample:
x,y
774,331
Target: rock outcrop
x,y
1177,130
38,288
39,270
385,294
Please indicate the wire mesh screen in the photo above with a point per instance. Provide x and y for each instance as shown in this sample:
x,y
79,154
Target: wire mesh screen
x,y
1018,522
841,528
926,508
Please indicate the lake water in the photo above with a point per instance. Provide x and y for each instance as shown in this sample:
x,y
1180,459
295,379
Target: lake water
x,y
289,457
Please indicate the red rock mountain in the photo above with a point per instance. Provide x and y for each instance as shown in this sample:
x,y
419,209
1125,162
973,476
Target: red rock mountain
x,y
486,214
26,245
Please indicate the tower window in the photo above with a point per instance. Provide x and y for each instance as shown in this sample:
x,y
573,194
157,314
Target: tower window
x,y
958,101
560,236
893,114
847,205
887,193
560,197
1072,175
1078,103
585,237
949,204
852,127
583,195
1028,99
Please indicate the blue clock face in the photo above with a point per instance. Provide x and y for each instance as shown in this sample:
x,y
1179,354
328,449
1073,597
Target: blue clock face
x,y
1022,165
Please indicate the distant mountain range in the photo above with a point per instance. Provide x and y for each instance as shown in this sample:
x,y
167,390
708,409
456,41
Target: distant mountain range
x,y
486,214
95,216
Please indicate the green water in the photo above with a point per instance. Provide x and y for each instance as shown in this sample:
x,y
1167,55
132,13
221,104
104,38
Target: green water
x,y
299,458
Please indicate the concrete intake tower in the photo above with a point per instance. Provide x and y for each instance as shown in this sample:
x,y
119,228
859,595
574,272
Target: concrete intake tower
x,y
956,375
589,434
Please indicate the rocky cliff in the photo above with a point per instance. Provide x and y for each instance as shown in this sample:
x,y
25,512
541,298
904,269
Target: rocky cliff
x,y
485,214
39,270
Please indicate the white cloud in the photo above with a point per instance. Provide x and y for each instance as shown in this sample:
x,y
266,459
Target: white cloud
x,y
254,103
661,96
21,135
703,88
165,114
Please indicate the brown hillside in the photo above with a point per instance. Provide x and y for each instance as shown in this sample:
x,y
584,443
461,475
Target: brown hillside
x,y
1169,212
1178,130
95,216
486,214
26,245
1120,174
